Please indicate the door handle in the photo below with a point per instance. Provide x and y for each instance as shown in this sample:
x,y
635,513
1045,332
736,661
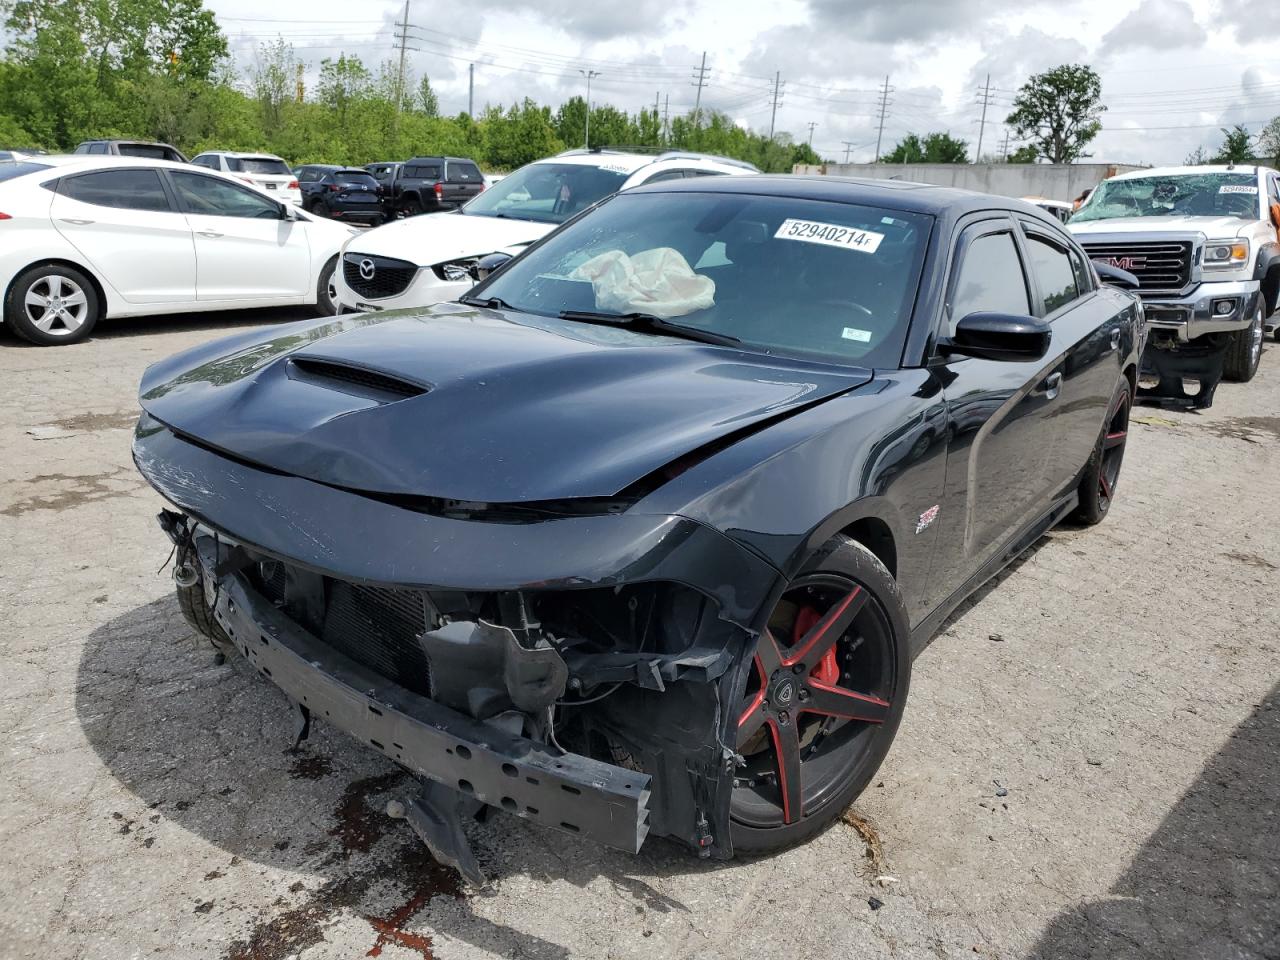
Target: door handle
x,y
211,234
78,223
1115,339
1053,386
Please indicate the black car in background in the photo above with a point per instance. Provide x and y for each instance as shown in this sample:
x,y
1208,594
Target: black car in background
x,y
428,185
342,193
643,533
132,148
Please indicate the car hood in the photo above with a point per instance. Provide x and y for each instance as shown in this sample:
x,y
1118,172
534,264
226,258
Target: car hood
x,y
1211,227
442,237
491,406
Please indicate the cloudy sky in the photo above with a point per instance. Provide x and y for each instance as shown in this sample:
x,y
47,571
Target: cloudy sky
x,y
1172,71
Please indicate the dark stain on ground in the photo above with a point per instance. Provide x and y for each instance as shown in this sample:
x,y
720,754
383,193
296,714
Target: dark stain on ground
x,y
310,768
60,491
1251,560
360,826
293,931
214,875
1244,428
121,420
204,907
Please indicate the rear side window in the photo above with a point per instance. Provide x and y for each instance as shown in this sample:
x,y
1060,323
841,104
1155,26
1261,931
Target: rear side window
x,y
1053,271
97,148
990,279
422,172
210,162
464,173
125,189
666,175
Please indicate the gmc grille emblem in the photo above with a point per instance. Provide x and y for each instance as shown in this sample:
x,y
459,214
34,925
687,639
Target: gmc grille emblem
x,y
367,269
1126,263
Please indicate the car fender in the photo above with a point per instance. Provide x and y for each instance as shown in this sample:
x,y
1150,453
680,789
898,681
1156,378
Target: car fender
x,y
1266,270
55,248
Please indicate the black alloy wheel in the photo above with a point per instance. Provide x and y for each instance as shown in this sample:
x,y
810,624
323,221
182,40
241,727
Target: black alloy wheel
x,y
1102,473
822,702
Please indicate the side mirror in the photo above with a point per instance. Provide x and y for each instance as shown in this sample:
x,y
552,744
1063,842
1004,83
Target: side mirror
x,y
288,211
1111,274
488,264
999,336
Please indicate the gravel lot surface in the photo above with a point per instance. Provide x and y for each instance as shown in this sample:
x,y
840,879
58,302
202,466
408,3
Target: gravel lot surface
x,y
1099,781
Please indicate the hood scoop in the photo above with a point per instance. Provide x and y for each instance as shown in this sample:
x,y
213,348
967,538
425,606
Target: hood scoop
x,y
354,380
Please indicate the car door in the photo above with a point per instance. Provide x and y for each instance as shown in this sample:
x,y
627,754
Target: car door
x,y
246,247
126,226
1000,450
1086,334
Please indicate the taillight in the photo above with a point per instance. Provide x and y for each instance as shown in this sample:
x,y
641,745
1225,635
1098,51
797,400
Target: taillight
x,y
5,216
247,180
335,187
293,185
439,189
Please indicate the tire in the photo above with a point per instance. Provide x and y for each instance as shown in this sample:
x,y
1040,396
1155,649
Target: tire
x,y
326,291
1102,472
1245,352
864,666
412,207
52,305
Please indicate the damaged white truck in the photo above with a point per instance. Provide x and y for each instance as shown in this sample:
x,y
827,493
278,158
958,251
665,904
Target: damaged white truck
x,y
1202,242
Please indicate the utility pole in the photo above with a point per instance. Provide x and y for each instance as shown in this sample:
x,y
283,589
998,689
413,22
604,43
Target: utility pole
x,y
984,98
587,136
812,124
404,40
699,81
848,145
666,124
471,90
884,112
777,98
1004,148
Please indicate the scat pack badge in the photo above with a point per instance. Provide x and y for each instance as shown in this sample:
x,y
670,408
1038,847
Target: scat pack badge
x,y
927,518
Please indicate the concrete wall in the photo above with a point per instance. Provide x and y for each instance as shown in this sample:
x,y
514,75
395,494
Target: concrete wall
x,y
1054,181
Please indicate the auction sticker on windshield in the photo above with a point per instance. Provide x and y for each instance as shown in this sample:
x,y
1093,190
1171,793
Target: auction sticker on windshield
x,y
1237,188
830,234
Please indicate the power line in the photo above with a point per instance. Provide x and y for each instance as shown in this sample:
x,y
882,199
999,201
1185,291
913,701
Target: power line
x,y
884,112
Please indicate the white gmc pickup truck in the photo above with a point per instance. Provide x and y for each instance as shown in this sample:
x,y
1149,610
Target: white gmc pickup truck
x,y
1202,242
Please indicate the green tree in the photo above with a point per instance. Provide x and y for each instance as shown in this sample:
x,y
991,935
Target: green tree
x,y
1059,112
274,79
428,102
933,148
1197,157
342,82
1027,153
1237,145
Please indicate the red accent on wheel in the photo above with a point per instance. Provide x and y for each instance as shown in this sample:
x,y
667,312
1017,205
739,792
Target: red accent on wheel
x,y
839,616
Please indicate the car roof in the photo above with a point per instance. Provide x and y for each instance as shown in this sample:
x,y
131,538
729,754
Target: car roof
x,y
1245,168
627,162
896,194
239,154
74,161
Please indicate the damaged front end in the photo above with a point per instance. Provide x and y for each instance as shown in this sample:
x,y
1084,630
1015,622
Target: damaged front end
x,y
592,700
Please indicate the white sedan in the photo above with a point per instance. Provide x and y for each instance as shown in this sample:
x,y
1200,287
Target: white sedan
x,y
93,237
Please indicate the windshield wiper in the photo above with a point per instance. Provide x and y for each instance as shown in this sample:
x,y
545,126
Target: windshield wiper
x,y
492,303
648,323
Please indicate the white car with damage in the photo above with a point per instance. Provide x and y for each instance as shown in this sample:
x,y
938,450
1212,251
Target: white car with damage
x,y
431,259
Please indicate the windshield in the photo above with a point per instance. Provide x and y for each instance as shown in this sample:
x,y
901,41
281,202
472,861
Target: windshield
x,y
820,280
547,192
259,165
1180,195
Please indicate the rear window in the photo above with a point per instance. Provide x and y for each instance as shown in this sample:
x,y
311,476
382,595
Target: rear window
x,y
355,176
259,165
422,172
16,168
464,173
149,150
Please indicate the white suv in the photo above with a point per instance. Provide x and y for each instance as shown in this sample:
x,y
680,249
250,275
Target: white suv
x,y
263,170
431,259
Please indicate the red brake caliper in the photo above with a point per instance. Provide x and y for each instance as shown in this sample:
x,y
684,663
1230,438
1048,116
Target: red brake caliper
x,y
827,670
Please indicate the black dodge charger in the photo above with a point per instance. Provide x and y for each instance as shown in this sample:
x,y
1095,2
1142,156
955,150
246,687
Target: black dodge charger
x,y
643,534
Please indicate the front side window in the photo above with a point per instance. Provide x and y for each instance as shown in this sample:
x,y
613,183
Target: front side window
x,y
212,197
124,189
547,192
1054,273
990,279
1174,195
806,278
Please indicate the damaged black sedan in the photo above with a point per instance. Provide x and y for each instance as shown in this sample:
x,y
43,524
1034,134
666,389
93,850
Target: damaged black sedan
x,y
643,534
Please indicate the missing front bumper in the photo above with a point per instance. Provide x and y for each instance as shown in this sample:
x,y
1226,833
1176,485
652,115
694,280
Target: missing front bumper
x,y
575,794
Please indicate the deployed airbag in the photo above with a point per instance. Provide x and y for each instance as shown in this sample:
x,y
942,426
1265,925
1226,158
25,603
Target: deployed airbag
x,y
658,282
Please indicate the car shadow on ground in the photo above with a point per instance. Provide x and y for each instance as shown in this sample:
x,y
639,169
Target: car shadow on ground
x,y
221,321
1206,884
207,746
